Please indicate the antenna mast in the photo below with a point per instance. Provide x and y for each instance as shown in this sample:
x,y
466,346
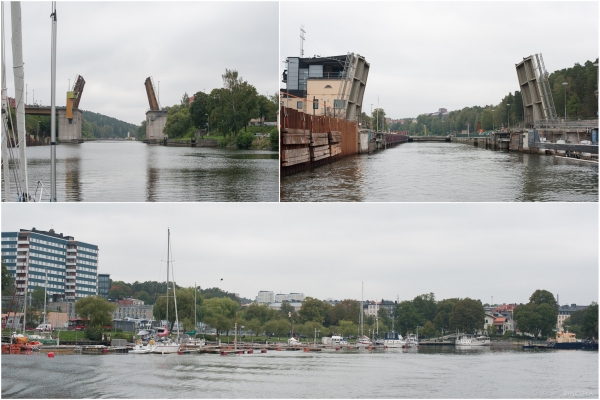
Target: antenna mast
x,y
302,39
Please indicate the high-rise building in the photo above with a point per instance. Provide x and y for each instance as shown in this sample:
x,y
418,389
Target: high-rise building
x,y
103,285
71,266
265,297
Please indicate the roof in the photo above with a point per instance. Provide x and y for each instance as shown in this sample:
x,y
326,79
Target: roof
x,y
505,307
499,321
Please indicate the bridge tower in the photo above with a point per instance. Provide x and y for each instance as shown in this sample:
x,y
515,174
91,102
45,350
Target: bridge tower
x,y
70,119
156,119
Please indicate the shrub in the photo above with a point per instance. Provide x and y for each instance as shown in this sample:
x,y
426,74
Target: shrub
x,y
93,332
244,140
274,138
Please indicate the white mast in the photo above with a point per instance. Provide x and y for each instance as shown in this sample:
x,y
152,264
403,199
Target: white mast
x,y
168,246
5,157
53,109
362,333
45,294
17,49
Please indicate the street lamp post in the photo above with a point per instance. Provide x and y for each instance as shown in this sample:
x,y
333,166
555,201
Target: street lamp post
x,y
565,90
565,85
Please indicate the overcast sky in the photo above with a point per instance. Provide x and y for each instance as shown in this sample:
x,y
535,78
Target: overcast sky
x,y
326,250
115,46
430,55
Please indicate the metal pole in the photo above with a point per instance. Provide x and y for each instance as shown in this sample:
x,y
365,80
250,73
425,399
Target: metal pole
x,y
45,295
5,165
19,76
53,109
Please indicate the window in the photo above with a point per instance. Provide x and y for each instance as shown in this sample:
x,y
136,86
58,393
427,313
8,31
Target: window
x,y
299,105
328,87
339,103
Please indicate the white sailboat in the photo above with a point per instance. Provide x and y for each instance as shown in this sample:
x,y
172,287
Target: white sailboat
x,y
364,340
166,345
466,339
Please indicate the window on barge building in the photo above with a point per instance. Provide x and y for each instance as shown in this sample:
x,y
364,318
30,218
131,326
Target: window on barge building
x,y
299,105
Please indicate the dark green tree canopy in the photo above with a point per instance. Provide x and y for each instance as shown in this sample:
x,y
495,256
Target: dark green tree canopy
x,y
97,309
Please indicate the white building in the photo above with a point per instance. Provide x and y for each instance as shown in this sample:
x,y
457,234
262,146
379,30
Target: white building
x,y
265,297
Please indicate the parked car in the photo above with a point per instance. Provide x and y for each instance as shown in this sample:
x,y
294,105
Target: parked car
x,y
44,328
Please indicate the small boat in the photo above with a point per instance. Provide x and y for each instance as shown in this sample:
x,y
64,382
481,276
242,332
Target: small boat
x,y
364,341
472,340
140,348
394,340
412,340
566,341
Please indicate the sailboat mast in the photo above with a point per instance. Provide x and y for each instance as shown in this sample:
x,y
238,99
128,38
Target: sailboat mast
x,y
195,305
17,49
168,247
53,109
5,164
45,294
362,295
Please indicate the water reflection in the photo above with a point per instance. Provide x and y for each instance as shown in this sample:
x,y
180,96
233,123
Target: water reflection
x,y
133,171
445,172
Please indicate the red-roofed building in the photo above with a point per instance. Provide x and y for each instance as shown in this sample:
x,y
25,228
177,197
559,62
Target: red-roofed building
x,y
504,308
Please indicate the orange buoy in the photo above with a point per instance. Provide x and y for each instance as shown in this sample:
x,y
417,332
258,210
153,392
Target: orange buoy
x,y
306,349
51,354
278,349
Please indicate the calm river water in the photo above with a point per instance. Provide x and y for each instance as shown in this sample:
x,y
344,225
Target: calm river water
x,y
133,171
445,172
428,373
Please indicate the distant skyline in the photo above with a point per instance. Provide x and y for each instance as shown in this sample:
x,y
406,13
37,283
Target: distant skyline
x,y
115,46
430,55
399,251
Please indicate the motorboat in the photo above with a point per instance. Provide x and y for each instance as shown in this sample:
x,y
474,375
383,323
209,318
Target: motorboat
x,y
472,340
394,340
364,341
412,340
141,348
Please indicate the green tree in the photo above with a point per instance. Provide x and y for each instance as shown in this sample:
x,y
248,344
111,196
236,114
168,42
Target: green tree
x,y
244,140
119,289
260,312
311,310
143,295
178,124
37,296
426,306
467,315
384,318
429,330
185,101
408,317
543,296
274,139
7,282
348,310
199,110
442,314
347,328
279,327
254,326
589,323
379,119
97,309
234,105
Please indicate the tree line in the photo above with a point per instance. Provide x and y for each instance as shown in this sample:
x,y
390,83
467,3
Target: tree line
x,y
225,111
580,94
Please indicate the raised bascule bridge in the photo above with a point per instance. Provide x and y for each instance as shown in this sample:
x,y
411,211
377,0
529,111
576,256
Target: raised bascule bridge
x,y
70,118
156,118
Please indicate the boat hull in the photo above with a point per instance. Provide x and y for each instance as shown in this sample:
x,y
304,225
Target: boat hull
x,y
166,349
